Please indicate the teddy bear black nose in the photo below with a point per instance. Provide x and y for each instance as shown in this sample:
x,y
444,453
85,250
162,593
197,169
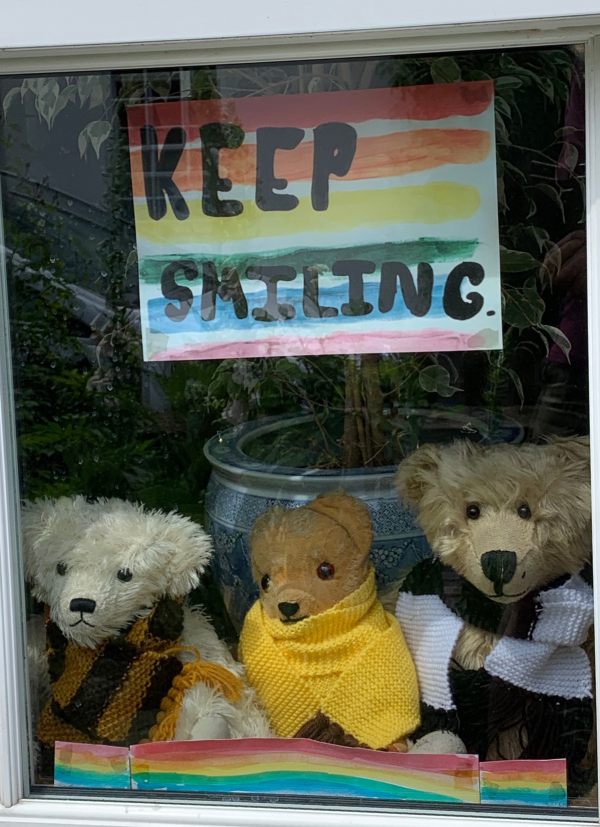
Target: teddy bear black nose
x,y
82,604
499,567
288,609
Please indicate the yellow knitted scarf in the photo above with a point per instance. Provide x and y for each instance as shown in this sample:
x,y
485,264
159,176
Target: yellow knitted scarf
x,y
350,662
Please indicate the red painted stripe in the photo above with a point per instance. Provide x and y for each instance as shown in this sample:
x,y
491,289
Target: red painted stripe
x,y
420,103
383,156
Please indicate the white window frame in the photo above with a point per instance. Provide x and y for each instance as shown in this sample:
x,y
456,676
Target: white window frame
x,y
17,807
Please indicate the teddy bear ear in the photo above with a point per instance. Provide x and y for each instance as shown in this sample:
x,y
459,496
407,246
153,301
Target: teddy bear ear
x,y
570,490
49,529
573,451
189,550
349,512
34,518
418,471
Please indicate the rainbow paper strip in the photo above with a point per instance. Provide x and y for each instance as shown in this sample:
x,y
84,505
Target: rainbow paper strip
x,y
91,765
529,783
273,766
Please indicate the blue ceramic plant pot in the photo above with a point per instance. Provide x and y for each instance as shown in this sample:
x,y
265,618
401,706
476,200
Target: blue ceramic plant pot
x,y
242,488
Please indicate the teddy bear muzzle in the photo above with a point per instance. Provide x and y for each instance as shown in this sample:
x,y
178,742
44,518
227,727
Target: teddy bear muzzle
x,y
288,611
499,567
83,606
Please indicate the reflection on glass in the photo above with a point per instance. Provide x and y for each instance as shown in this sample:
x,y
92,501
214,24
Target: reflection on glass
x,y
223,440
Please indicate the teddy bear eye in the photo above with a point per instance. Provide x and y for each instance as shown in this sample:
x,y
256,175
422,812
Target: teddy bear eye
x,y
524,511
473,511
124,575
61,568
265,582
325,571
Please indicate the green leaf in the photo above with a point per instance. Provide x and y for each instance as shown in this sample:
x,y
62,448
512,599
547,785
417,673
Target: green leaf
x,y
516,261
507,82
559,338
523,307
82,141
502,136
541,236
46,99
445,70
94,133
436,379
9,97
161,86
502,106
554,195
94,89
516,380
100,92
546,86
569,157
518,173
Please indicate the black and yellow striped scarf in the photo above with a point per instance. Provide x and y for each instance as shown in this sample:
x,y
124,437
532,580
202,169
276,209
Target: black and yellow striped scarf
x,y
128,689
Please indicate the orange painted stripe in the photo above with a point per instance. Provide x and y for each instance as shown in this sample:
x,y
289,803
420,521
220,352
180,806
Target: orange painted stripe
x,y
383,156
427,102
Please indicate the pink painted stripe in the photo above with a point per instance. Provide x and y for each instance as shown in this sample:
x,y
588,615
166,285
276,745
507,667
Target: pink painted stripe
x,y
97,750
299,747
340,343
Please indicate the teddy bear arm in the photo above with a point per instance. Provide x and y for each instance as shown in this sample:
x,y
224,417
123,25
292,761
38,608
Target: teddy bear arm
x,y
204,713
473,646
436,720
199,632
321,728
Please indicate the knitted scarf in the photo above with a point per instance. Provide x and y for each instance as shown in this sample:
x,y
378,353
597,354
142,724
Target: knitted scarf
x,y
350,663
536,682
128,689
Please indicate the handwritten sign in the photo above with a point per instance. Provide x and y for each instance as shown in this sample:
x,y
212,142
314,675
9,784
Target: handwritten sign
x,y
337,222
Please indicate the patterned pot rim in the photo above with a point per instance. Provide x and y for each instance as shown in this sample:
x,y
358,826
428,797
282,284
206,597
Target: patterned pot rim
x,y
229,460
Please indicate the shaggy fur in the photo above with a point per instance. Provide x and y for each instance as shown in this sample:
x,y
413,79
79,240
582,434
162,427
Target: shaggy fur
x,y
552,480
124,559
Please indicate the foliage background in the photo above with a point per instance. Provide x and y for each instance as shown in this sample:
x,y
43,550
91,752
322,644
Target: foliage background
x,y
93,419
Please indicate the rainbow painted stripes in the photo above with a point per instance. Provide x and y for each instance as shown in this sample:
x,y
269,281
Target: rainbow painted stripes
x,y
420,188
279,766
533,783
91,766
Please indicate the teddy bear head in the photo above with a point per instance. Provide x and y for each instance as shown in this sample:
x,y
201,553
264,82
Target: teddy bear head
x,y
509,519
307,559
99,566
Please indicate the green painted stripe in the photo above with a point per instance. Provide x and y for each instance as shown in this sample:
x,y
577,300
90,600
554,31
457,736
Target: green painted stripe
x,y
409,252
73,777
551,796
292,783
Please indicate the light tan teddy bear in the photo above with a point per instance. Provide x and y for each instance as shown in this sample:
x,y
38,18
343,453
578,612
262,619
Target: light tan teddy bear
x,y
499,619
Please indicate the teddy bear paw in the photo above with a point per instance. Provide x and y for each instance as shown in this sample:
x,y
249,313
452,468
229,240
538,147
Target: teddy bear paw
x,y
440,742
210,728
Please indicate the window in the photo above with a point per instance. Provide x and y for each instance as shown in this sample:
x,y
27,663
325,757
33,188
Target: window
x,y
220,275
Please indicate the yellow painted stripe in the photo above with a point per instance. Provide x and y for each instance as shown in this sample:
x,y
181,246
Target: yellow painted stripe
x,y
433,203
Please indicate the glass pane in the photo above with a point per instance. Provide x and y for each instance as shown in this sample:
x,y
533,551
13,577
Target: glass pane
x,y
311,339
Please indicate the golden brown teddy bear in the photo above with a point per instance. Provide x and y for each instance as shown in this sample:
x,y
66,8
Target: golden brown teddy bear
x,y
325,658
